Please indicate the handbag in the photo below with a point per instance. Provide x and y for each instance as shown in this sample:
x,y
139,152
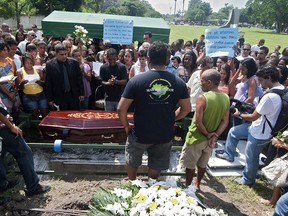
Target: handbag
x,y
277,171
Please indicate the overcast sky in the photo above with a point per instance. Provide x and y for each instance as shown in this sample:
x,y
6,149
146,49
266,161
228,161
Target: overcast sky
x,y
167,6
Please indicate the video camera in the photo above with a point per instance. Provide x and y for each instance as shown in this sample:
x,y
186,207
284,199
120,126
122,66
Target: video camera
x,y
241,106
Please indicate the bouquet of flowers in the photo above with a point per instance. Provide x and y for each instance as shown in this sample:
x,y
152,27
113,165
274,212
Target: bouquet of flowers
x,y
81,34
281,140
137,198
283,136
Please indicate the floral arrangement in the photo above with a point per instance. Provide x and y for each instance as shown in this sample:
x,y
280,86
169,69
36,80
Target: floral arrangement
x,y
136,198
81,34
283,136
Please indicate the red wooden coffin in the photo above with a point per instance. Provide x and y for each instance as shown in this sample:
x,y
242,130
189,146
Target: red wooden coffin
x,y
88,126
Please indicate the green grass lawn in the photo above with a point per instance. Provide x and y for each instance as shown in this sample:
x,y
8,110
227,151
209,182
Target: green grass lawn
x,y
252,35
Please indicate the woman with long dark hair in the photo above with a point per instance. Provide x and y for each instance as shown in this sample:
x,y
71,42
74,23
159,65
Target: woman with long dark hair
x,y
248,89
189,65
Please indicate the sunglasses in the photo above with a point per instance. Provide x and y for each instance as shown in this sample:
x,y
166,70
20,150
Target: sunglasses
x,y
246,49
33,35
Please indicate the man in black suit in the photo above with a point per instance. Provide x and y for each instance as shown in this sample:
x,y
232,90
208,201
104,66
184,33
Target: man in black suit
x,y
64,85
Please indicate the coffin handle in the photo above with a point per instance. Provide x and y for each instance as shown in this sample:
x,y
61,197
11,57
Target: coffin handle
x,y
107,137
52,134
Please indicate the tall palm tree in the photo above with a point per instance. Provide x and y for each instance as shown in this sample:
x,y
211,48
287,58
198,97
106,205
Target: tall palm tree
x,y
175,7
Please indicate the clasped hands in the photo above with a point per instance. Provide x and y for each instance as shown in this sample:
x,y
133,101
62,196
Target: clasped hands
x,y
113,80
212,139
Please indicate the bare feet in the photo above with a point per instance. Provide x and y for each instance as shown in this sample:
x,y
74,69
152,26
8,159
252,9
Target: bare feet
x,y
267,202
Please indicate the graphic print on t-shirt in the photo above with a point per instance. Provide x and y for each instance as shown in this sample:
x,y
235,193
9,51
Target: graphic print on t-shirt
x,y
160,90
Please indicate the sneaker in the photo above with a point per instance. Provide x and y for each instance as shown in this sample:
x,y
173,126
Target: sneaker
x,y
38,190
263,159
224,156
241,181
10,184
220,151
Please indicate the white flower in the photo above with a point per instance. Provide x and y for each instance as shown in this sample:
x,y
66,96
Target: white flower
x,y
122,193
139,183
285,133
157,200
115,209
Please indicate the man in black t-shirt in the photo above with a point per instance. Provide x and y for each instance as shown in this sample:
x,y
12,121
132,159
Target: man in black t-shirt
x,y
155,95
114,78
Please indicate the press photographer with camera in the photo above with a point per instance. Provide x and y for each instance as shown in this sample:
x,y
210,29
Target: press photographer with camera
x,y
257,133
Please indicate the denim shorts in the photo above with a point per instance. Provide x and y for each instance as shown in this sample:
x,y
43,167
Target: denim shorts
x,y
33,102
158,154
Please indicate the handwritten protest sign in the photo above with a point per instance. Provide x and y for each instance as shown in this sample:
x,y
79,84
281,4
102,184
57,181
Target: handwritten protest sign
x,y
220,41
118,31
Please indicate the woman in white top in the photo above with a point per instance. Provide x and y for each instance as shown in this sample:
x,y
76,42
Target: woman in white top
x,y
141,65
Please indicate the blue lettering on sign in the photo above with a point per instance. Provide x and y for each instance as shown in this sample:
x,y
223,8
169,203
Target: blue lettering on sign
x,y
118,31
221,40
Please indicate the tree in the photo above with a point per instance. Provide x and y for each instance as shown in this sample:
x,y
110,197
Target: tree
x,y
45,7
198,10
13,9
269,13
130,8
92,5
200,16
219,16
226,9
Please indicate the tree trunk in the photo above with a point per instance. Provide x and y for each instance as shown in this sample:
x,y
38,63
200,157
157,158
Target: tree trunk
x,y
17,13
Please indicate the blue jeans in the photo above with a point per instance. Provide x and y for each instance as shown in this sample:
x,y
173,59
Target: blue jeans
x,y
23,155
111,105
34,102
252,151
281,206
235,134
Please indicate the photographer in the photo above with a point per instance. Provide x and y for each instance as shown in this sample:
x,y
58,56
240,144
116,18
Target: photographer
x,y
258,134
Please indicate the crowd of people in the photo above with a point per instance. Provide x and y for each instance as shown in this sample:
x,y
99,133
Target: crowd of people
x,y
160,83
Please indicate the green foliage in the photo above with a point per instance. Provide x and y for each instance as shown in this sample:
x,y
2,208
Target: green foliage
x,y
130,8
220,16
10,9
269,13
100,201
91,5
226,9
7,9
252,35
198,10
45,7
104,197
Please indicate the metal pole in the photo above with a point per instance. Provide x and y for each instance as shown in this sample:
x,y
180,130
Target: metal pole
x,y
100,173
112,146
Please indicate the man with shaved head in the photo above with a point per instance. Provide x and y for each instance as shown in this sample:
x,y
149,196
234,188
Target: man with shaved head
x,y
210,120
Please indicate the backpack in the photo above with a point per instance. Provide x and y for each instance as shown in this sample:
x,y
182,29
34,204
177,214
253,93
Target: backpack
x,y
282,120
